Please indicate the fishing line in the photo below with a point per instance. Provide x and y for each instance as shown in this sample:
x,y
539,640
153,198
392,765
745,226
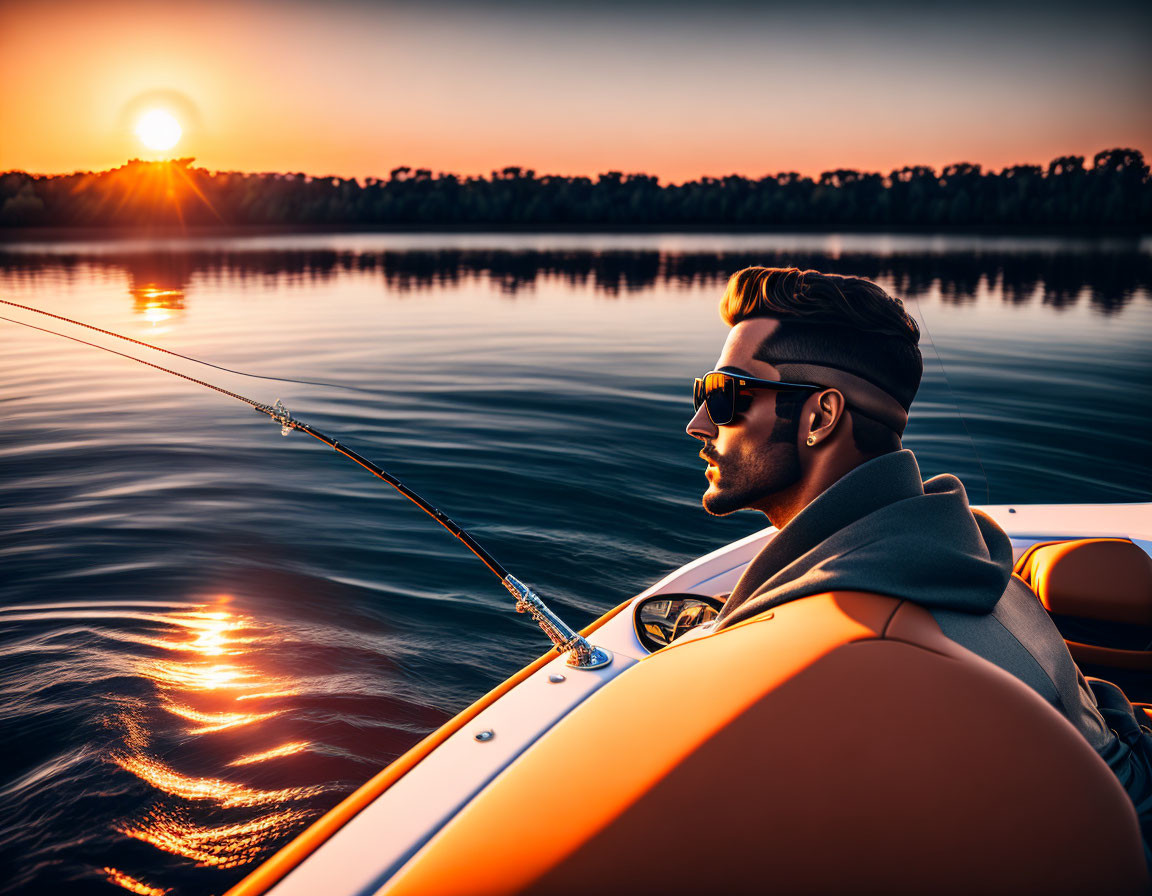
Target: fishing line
x,y
279,413
563,637
956,404
80,323
113,351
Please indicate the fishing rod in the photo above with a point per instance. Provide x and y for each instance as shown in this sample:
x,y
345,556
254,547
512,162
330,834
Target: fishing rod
x,y
583,655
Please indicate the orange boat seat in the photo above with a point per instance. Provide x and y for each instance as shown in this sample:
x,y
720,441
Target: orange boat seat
x,y
1099,592
839,743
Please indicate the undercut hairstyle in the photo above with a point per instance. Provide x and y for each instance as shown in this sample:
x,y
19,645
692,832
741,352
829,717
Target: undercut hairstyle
x,y
844,322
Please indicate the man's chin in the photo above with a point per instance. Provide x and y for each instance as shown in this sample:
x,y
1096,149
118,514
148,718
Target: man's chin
x,y
719,503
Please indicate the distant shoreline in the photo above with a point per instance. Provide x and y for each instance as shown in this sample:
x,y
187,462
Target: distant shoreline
x,y
1112,197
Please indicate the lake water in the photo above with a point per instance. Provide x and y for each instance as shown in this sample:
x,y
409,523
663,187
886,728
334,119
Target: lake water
x,y
209,634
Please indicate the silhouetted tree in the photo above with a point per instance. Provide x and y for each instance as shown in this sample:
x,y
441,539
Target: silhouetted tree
x,y
1114,195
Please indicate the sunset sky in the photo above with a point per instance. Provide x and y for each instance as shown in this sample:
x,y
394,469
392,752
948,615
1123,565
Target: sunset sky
x,y
680,90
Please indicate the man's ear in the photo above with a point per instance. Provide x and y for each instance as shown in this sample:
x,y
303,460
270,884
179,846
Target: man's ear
x,y
823,411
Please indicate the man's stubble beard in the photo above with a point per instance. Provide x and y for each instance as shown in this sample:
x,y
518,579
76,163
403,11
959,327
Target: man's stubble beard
x,y
750,478
747,480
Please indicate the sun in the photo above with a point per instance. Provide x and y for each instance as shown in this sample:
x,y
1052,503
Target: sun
x,y
158,129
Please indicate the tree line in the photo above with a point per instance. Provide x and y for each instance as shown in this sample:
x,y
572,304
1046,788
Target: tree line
x,y
1113,194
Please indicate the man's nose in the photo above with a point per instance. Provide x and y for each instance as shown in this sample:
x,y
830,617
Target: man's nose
x,y
701,426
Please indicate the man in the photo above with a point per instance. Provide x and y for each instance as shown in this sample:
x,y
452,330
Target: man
x,y
801,420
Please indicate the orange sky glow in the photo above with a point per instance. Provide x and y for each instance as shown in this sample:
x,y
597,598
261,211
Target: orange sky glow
x,y
355,90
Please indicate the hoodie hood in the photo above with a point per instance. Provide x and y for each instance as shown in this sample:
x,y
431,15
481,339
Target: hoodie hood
x,y
881,528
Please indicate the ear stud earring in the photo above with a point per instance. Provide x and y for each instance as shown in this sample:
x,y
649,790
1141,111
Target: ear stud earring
x,y
811,440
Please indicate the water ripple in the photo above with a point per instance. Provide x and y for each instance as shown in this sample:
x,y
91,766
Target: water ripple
x,y
209,634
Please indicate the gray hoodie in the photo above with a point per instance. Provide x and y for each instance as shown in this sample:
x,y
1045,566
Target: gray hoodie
x,y
882,529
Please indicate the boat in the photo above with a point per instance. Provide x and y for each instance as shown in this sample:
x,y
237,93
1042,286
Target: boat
x,y
835,743
838,743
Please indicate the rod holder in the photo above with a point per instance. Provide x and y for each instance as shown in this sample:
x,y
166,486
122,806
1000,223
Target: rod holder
x,y
582,654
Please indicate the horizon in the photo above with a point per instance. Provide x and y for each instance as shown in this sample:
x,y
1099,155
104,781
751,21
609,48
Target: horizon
x,y
193,163
680,92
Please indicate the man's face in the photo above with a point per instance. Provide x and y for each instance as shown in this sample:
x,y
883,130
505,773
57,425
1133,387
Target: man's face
x,y
755,456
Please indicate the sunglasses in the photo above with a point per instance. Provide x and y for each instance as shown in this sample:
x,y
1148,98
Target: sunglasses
x,y
728,394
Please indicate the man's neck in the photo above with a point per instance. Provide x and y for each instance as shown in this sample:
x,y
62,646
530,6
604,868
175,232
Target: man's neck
x,y
822,472
781,507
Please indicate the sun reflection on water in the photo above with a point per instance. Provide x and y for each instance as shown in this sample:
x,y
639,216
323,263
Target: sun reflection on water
x,y
215,659
274,753
224,846
217,721
226,794
200,677
155,301
207,636
131,884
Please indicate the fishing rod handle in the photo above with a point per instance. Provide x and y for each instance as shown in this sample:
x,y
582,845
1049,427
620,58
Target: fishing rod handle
x,y
584,655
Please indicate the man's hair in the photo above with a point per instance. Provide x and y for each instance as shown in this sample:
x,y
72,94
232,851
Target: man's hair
x,y
844,322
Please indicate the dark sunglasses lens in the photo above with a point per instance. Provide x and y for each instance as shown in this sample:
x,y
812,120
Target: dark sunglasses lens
x,y
720,395
697,393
